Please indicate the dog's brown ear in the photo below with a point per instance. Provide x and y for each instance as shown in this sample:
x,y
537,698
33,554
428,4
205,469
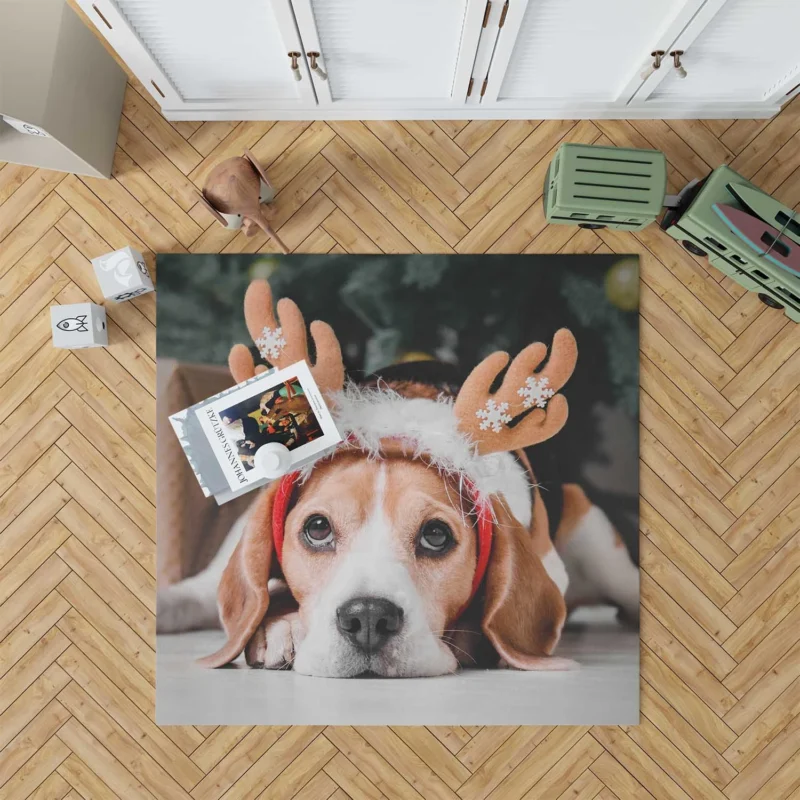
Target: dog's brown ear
x,y
523,610
242,596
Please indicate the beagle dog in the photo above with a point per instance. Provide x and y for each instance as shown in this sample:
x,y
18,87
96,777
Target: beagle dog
x,y
420,545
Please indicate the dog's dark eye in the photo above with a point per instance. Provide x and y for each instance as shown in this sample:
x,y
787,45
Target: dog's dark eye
x,y
318,531
435,537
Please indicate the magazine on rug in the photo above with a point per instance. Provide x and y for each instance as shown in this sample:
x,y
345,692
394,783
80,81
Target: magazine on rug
x,y
223,435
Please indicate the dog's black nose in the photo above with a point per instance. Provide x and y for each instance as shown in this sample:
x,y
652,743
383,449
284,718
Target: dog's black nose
x,y
369,622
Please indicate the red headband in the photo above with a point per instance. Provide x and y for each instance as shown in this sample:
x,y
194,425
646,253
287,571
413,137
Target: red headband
x,y
482,512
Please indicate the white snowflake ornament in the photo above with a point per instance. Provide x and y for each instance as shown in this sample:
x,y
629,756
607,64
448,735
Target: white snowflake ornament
x,y
493,416
535,392
271,343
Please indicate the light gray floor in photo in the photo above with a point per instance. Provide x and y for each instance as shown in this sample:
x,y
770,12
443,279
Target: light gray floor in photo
x,y
604,691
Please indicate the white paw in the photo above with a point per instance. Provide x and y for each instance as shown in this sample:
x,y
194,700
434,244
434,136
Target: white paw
x,y
283,636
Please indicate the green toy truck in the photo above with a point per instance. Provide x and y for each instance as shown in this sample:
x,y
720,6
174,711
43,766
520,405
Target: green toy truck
x,y
744,232
605,187
696,225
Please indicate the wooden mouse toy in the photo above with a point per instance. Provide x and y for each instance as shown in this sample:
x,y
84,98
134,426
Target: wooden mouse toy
x,y
234,192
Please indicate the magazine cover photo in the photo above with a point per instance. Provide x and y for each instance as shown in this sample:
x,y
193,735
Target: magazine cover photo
x,y
282,415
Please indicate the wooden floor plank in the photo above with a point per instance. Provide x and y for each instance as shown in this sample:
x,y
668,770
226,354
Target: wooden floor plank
x,y
34,736
684,411
30,267
116,703
683,555
44,435
683,736
236,762
685,592
116,551
125,603
759,698
159,131
298,154
500,181
81,597
426,168
31,629
395,190
30,231
756,737
33,555
494,152
37,769
437,143
120,744
38,696
476,133
93,770
12,176
690,488
502,763
152,197
535,767
31,593
102,472
711,474
156,164
692,635
25,199
754,625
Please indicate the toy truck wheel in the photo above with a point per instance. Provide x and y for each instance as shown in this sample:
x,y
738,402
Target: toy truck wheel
x,y
592,226
693,248
769,301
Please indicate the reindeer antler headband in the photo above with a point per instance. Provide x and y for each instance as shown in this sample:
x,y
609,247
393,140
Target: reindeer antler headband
x,y
486,417
525,410
283,341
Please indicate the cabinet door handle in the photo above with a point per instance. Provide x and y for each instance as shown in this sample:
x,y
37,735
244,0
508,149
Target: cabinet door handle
x,y
676,60
651,68
295,66
315,68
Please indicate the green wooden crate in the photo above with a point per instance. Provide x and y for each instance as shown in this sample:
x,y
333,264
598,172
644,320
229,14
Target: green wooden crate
x,y
599,187
696,225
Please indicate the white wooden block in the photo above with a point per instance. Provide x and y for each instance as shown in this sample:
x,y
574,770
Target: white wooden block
x,y
78,325
122,275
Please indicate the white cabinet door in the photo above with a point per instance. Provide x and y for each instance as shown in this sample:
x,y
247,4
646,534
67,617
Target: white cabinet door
x,y
208,54
576,54
390,54
734,51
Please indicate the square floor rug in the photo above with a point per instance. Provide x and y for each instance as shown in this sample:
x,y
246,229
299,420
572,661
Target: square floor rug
x,y
462,551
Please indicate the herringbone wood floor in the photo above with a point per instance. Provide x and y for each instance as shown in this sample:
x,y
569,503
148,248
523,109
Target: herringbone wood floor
x,y
720,468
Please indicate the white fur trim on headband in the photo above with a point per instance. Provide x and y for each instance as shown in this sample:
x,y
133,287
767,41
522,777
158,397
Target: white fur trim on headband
x,y
364,416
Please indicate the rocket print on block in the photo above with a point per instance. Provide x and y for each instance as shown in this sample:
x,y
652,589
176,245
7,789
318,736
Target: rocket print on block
x,y
74,324
78,325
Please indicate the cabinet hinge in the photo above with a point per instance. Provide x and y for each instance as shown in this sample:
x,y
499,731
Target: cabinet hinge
x,y
483,88
486,13
503,15
469,88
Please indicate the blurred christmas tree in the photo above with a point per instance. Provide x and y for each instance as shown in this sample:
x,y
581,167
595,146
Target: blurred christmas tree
x,y
456,309
199,301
